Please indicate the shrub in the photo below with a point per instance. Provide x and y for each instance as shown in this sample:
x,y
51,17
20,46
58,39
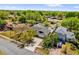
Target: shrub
x,y
26,36
22,19
31,22
69,49
2,24
47,43
50,40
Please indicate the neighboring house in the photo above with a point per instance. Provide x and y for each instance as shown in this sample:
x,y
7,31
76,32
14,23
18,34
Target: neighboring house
x,y
52,19
41,30
70,36
65,35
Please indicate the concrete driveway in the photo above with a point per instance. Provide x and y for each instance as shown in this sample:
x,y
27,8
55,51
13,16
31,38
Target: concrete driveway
x,y
37,42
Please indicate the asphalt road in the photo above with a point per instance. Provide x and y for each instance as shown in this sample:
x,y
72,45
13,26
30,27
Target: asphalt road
x,y
11,49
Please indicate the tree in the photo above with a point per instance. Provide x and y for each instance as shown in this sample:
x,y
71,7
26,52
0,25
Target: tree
x,y
22,19
2,24
51,40
27,36
47,42
55,38
31,22
4,14
71,23
70,14
77,35
46,23
60,15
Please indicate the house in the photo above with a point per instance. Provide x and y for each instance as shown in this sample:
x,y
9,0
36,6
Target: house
x,y
41,30
70,36
65,35
52,19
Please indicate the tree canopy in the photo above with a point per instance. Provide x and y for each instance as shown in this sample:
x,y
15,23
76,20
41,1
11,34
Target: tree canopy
x,y
71,23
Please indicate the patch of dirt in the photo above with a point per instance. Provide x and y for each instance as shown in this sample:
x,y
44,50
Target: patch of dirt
x,y
55,51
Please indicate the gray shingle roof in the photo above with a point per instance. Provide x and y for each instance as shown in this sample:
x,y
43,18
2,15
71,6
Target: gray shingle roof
x,y
41,28
62,32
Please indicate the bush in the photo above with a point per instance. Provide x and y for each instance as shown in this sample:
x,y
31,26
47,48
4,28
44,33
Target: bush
x,y
47,42
56,38
31,22
69,49
77,35
46,23
2,24
50,40
22,19
26,36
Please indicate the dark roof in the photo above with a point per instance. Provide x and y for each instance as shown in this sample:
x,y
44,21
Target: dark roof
x,y
41,27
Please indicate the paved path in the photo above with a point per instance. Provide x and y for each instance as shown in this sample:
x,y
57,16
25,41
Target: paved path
x,y
11,49
37,42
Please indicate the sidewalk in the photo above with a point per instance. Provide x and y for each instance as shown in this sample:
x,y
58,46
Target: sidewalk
x,y
12,40
37,42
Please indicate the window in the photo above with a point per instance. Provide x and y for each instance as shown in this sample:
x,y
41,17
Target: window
x,y
40,32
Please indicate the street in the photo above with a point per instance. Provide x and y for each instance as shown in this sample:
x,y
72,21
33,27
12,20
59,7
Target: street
x,y
11,49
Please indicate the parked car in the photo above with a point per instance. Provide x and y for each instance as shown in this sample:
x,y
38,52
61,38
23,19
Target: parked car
x,y
59,45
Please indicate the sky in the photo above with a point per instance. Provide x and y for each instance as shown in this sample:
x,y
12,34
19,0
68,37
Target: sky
x,y
45,7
